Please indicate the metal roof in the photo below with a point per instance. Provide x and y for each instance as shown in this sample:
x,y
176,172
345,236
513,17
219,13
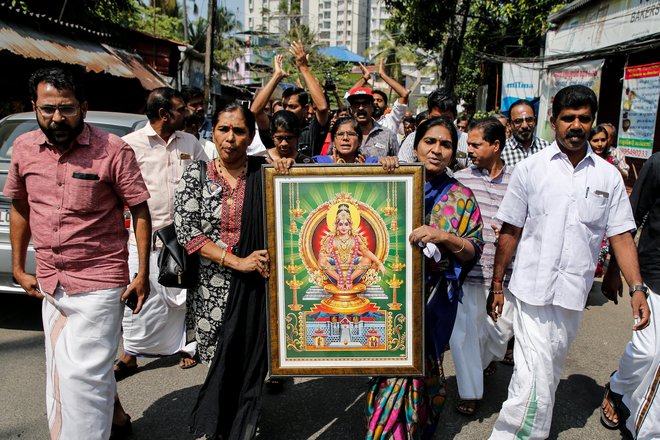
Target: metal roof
x,y
342,54
568,9
95,57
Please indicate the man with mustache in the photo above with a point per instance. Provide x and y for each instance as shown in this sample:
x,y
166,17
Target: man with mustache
x,y
476,341
557,207
69,182
391,120
522,143
162,151
379,141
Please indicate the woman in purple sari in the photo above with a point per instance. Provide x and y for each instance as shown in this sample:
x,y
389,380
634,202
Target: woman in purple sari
x,y
408,408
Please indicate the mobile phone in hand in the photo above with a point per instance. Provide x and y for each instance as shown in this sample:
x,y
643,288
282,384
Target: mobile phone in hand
x,y
131,301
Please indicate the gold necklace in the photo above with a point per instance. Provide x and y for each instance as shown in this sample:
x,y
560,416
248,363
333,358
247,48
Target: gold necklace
x,y
219,166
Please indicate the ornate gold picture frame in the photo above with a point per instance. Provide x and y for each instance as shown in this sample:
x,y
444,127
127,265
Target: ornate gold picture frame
x,y
345,290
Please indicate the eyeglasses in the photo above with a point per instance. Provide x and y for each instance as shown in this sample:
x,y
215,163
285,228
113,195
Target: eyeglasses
x,y
280,139
67,111
341,134
530,120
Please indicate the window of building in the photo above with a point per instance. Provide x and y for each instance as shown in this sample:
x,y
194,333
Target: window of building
x,y
325,35
326,14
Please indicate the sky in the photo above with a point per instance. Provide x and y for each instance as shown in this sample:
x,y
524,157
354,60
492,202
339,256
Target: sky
x,y
235,6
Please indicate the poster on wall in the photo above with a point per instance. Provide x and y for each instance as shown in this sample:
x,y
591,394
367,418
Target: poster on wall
x,y
519,81
639,106
587,73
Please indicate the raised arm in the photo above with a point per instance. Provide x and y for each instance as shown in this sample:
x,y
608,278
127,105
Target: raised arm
x,y
315,91
364,79
263,96
396,86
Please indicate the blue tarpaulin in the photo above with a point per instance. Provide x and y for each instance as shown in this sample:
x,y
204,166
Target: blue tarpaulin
x,y
342,54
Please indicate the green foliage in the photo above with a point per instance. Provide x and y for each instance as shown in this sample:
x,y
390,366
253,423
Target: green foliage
x,y
154,21
84,12
510,27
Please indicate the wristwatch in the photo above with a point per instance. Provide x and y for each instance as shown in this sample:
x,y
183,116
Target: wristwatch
x,y
639,287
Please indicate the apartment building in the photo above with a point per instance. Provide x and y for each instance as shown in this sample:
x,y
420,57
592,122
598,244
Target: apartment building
x,y
348,23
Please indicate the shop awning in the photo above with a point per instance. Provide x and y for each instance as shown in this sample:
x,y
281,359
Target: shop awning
x,y
95,57
342,54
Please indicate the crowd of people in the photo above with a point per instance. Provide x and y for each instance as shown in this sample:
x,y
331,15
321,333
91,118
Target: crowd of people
x,y
493,190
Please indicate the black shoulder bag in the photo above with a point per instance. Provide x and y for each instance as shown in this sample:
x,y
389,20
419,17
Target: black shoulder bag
x,y
175,267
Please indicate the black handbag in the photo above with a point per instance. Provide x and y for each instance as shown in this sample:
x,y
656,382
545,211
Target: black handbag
x,y
175,267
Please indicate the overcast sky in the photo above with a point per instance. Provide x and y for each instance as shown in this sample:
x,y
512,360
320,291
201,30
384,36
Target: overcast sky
x,y
235,6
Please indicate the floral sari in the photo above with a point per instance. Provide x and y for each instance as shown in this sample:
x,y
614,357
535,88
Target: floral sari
x,y
402,408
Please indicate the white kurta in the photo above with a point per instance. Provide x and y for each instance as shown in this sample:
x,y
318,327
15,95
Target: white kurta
x,y
638,377
82,334
543,336
477,340
160,327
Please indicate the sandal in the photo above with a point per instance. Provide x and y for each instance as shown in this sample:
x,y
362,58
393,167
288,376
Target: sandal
x,y
611,399
185,365
467,407
123,371
490,369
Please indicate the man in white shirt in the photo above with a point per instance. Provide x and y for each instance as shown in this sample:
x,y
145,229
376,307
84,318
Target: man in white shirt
x,y
558,204
162,152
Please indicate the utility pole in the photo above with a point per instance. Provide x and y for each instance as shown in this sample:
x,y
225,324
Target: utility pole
x,y
208,55
184,10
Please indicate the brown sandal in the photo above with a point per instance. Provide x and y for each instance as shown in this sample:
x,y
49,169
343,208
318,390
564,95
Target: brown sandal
x,y
467,407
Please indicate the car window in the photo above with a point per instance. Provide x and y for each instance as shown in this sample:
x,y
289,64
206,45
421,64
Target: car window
x,y
10,130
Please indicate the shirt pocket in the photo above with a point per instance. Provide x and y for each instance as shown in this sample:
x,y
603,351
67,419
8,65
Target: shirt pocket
x,y
83,195
593,210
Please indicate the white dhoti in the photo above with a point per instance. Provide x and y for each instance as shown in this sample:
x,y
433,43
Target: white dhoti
x,y
160,327
477,340
638,377
543,337
82,335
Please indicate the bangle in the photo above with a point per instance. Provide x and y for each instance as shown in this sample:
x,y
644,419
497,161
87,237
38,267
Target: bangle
x,y
497,280
497,292
222,259
461,249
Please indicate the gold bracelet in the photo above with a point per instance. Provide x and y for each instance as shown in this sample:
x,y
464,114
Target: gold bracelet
x,y
461,249
222,259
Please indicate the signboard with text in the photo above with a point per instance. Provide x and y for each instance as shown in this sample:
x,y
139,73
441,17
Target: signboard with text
x,y
639,106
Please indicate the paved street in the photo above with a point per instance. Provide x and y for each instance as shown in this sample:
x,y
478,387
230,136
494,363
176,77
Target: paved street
x,y
161,395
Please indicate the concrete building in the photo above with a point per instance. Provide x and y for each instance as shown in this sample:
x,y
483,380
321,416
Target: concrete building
x,y
348,23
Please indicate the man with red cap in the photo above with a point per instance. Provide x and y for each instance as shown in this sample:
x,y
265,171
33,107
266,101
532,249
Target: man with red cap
x,y
378,140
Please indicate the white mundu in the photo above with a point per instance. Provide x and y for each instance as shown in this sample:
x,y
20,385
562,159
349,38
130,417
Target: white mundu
x,y
477,340
638,377
563,211
82,335
160,327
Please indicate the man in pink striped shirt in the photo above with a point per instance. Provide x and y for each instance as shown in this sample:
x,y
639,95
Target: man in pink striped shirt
x,y
69,183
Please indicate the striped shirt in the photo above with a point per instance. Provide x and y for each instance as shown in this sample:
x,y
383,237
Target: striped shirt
x,y
514,152
489,193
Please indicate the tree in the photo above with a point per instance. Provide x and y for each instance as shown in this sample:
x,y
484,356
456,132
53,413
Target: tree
x,y
84,12
392,47
460,28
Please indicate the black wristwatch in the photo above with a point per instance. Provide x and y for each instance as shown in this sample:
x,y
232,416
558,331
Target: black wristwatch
x,y
639,287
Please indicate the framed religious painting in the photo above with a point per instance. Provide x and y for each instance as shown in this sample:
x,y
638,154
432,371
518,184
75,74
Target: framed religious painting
x,y
345,289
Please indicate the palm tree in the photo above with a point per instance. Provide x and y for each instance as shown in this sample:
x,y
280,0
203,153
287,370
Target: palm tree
x,y
395,52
